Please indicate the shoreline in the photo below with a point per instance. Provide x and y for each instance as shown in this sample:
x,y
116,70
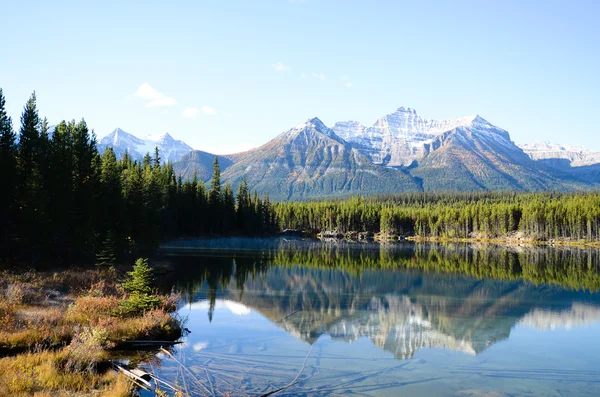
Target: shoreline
x,y
507,241
67,327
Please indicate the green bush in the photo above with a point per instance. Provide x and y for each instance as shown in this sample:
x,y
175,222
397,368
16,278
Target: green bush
x,y
138,285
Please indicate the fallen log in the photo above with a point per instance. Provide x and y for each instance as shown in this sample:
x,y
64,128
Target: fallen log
x,y
137,375
136,344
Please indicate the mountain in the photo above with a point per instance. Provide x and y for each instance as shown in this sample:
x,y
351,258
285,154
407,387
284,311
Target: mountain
x,y
561,156
397,139
582,164
171,150
467,153
400,152
201,163
479,156
307,161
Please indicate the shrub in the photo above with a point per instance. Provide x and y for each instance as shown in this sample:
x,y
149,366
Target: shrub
x,y
85,350
89,309
139,286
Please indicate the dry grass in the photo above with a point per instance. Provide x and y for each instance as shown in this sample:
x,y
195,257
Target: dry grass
x,y
33,313
30,373
79,312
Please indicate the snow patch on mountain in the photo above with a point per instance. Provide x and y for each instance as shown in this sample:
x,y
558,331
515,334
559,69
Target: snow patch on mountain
x,y
400,138
121,141
312,126
576,156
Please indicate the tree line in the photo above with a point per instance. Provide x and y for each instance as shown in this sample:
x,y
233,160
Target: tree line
x,y
539,216
63,199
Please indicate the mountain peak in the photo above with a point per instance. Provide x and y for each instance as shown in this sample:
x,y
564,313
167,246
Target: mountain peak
x,y
165,137
409,110
116,136
319,125
117,131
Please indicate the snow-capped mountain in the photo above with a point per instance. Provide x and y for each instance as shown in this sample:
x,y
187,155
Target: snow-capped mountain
x,y
402,137
170,149
400,152
309,160
561,155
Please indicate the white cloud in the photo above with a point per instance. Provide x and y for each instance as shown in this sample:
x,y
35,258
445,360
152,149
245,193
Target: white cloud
x,y
190,112
280,67
349,85
155,98
234,307
164,101
303,75
200,346
320,76
146,91
208,110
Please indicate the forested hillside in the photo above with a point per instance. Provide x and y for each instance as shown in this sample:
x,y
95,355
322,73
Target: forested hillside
x,y
63,200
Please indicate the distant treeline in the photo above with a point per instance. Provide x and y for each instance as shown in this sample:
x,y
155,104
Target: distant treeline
x,y
62,199
539,216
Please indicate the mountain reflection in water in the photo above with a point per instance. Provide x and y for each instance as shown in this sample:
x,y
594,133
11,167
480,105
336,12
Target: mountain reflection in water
x,y
402,298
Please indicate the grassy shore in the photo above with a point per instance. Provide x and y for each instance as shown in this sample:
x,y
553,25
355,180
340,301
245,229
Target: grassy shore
x,y
58,329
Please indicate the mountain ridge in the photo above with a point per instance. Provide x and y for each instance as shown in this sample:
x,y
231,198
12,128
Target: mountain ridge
x,y
400,152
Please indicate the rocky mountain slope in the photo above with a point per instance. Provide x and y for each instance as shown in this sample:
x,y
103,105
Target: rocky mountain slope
x,y
307,161
400,138
478,156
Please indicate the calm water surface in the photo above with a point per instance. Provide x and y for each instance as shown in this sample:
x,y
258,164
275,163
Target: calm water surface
x,y
394,320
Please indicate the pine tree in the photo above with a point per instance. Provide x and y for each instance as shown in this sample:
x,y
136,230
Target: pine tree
x,y
107,255
60,185
84,182
243,216
139,280
228,209
8,175
139,286
111,203
215,199
156,160
29,195
214,195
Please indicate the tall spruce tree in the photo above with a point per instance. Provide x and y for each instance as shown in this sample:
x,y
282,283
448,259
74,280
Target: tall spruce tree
x,y
8,175
243,213
215,199
215,194
29,194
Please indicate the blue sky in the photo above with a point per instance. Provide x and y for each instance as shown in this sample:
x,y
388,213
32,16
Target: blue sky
x,y
228,75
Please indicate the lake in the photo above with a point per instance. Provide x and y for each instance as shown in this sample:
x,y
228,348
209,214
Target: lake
x,y
383,320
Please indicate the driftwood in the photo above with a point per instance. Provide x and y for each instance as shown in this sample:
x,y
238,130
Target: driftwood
x,y
183,367
138,376
295,380
149,344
